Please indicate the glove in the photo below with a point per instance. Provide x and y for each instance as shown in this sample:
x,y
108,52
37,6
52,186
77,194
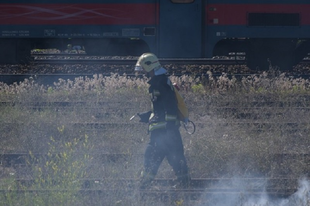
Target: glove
x,y
185,120
144,116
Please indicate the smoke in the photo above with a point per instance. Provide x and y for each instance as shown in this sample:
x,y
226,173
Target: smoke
x,y
236,192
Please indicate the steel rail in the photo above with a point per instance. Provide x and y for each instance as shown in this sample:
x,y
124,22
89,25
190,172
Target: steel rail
x,y
19,159
279,186
270,191
102,125
196,183
85,59
233,59
256,104
15,159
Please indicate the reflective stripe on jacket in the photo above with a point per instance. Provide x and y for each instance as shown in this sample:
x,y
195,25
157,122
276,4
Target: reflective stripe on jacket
x,y
157,125
171,117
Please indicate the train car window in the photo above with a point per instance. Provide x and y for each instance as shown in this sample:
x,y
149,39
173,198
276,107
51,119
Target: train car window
x,y
273,19
182,1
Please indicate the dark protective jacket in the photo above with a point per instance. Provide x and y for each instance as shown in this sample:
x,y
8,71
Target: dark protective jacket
x,y
165,138
164,102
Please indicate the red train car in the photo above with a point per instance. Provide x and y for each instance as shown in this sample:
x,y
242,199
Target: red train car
x,y
277,30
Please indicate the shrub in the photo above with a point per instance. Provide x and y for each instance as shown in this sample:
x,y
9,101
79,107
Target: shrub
x,y
57,176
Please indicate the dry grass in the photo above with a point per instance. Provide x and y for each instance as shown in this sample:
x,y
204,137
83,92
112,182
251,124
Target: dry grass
x,y
241,123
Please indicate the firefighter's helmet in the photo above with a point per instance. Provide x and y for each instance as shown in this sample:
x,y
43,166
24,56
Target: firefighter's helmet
x,y
147,62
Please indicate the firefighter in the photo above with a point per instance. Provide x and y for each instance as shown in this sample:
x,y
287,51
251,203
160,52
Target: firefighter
x,y
165,138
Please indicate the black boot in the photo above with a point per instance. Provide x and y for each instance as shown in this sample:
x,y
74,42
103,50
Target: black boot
x,y
183,182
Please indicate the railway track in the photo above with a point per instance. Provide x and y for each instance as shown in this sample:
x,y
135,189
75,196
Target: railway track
x,y
19,160
263,126
49,68
63,58
263,115
167,187
161,189
85,59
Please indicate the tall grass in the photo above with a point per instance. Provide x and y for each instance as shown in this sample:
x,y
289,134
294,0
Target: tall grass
x,y
243,124
56,176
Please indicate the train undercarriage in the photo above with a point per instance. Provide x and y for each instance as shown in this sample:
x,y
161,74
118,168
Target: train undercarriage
x,y
18,51
259,53
265,53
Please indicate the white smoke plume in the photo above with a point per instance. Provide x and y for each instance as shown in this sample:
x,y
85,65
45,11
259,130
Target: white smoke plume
x,y
230,197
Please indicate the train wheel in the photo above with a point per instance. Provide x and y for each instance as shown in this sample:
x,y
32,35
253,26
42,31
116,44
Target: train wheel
x,y
301,51
97,47
8,51
257,61
264,54
23,51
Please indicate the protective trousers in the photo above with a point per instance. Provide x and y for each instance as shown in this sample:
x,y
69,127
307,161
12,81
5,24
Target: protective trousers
x,y
165,143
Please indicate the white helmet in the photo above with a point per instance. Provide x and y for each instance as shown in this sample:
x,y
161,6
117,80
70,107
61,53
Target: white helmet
x,y
147,62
